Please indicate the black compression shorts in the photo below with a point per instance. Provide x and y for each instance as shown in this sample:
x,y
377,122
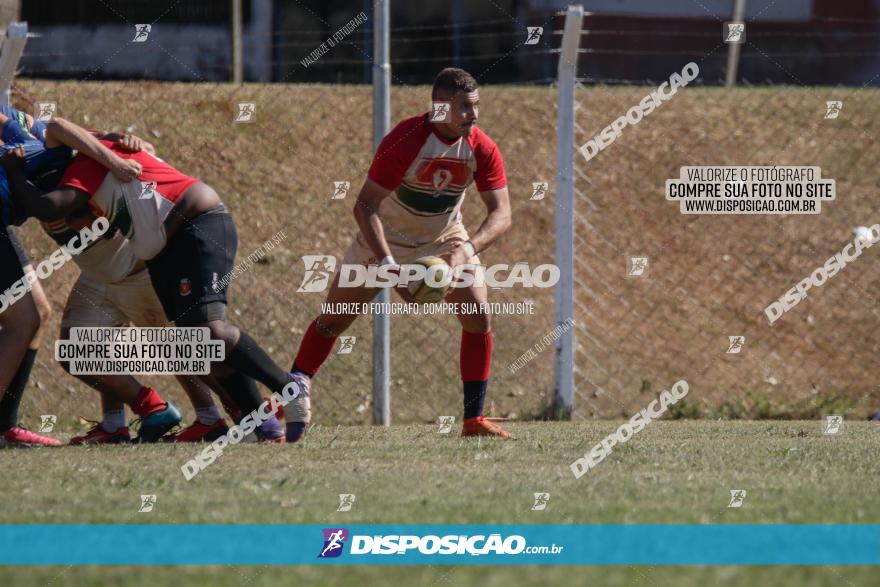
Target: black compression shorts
x,y
188,275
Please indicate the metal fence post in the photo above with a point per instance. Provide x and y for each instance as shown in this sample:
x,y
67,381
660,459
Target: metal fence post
x,y
563,393
739,13
10,55
381,126
237,72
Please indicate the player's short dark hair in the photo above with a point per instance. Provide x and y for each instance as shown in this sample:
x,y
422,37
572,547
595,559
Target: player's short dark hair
x,y
452,80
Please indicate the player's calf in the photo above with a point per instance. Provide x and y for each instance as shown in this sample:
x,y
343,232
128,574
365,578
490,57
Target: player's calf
x,y
298,413
19,324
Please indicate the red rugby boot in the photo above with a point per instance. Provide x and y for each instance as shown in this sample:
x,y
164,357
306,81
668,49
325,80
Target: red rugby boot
x,y
482,426
17,436
198,432
97,435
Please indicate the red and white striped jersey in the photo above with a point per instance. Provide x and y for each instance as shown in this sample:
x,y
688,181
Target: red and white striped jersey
x,y
428,175
137,208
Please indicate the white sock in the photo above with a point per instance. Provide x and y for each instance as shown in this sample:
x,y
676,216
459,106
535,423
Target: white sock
x,y
113,420
208,416
300,409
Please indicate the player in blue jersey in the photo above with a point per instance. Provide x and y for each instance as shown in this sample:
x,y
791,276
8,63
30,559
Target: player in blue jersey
x,y
24,308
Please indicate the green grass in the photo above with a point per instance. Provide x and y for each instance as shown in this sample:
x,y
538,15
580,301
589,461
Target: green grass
x,y
761,406
672,472
442,576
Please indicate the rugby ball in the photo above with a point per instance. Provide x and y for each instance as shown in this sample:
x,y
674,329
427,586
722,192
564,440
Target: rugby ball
x,y
435,284
863,233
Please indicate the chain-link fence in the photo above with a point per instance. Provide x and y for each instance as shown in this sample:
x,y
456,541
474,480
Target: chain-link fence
x,y
708,277
278,173
663,296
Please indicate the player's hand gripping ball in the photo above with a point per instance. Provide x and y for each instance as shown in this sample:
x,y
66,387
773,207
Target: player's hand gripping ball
x,y
435,285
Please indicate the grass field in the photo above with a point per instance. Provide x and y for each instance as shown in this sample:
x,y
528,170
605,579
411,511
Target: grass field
x,y
710,278
672,472
445,576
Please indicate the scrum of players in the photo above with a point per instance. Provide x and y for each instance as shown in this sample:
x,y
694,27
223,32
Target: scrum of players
x,y
170,236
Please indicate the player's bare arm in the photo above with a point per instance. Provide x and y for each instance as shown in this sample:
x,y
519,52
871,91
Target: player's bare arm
x,y
49,207
366,212
129,142
60,131
496,223
497,220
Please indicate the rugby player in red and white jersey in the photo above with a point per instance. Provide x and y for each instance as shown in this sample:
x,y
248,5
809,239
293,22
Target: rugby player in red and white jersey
x,y
410,207
110,290
179,226
114,290
21,324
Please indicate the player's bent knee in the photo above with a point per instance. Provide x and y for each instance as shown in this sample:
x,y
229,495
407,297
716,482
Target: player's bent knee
x,y
476,323
333,325
221,330
485,322
203,315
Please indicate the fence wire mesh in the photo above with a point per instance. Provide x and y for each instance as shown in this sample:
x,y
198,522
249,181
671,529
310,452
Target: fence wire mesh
x,y
708,277
278,175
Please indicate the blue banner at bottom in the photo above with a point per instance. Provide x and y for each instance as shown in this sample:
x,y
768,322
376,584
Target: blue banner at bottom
x,y
414,544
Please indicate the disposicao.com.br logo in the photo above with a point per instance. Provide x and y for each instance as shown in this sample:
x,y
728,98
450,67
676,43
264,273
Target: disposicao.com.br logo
x,y
334,541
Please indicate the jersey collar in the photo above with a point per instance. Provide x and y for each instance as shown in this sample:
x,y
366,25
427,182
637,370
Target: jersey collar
x,y
437,134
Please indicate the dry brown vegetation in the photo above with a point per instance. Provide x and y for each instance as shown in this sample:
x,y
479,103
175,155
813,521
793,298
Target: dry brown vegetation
x,y
710,276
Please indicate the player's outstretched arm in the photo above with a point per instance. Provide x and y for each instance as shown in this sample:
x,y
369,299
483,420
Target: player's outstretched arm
x,y
48,207
366,212
63,132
